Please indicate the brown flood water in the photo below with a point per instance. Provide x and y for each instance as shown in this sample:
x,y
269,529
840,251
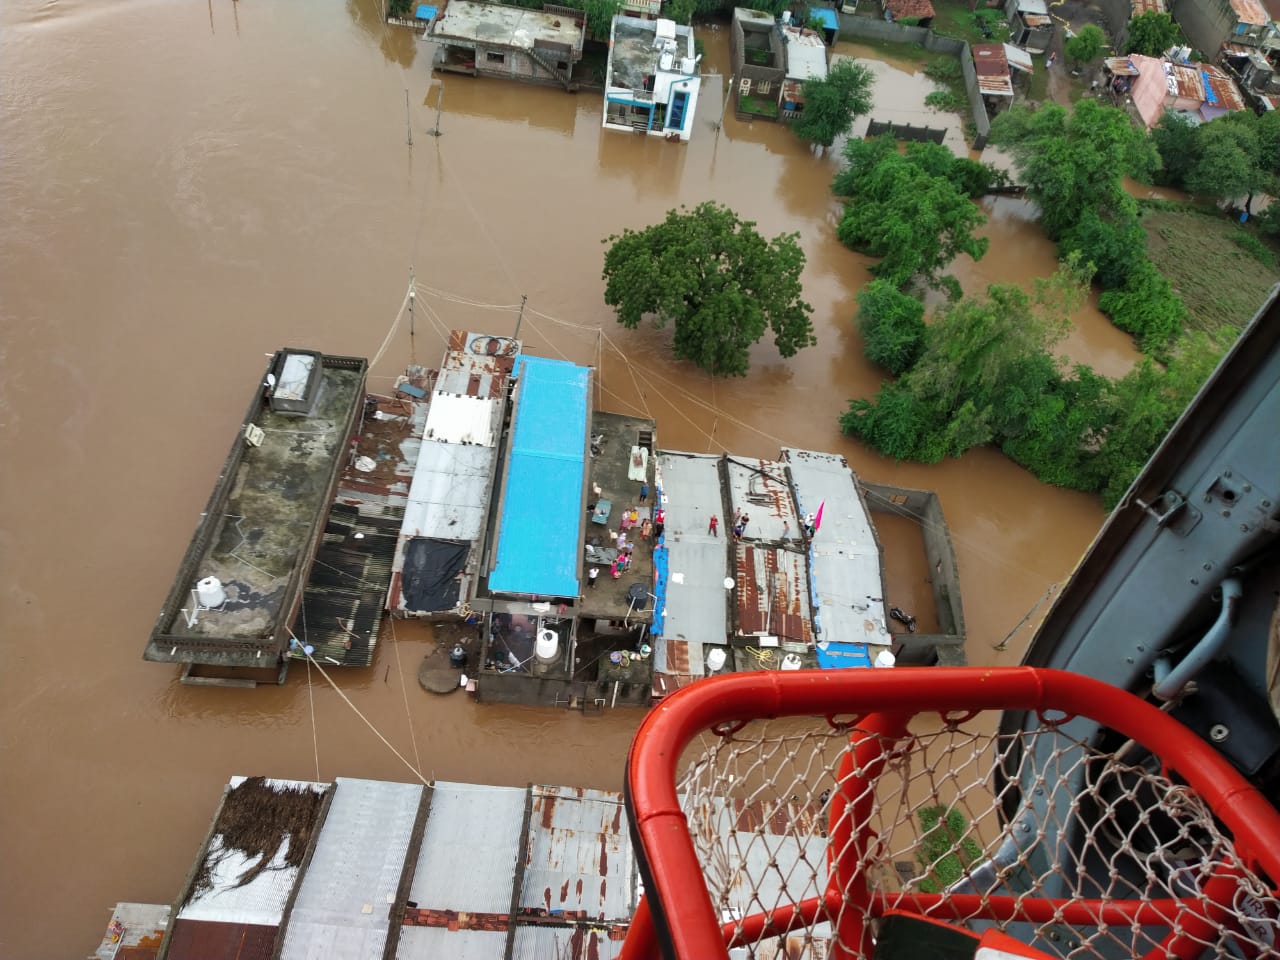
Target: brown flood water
x,y
188,187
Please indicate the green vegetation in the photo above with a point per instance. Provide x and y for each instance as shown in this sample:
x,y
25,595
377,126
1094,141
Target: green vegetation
x,y
1087,45
945,101
716,280
758,106
832,103
892,325
1221,281
1151,34
946,850
987,374
1231,158
399,8
955,19
952,98
1255,248
912,209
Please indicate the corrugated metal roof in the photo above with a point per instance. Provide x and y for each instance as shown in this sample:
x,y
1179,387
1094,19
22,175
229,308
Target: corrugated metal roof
x,y
1121,66
992,69
450,492
462,419
1139,7
207,940
344,901
564,943
759,489
772,593
1018,58
542,509
1225,92
806,54
1182,82
846,587
469,848
579,856
433,943
1251,12
910,8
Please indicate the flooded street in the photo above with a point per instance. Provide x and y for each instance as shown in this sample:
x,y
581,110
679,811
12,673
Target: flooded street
x,y
188,187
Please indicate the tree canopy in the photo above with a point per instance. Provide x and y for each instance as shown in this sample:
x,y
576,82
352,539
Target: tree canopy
x,y
892,325
1073,162
832,103
908,210
716,280
1230,158
1086,45
1151,34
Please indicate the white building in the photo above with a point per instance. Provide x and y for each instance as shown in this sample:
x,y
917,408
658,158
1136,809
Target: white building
x,y
653,78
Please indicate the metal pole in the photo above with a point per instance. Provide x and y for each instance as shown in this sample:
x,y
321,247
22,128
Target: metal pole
x,y
435,131
412,285
724,109
520,319
407,122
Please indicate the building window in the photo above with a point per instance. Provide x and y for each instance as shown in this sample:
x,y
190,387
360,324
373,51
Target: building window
x,y
763,86
562,65
495,58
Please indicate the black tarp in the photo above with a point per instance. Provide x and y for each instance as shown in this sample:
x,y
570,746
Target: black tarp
x,y
429,581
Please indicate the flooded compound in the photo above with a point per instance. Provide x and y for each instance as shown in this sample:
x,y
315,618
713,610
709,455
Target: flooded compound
x,y
189,187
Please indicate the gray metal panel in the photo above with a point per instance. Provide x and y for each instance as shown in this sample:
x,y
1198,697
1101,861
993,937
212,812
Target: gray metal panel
x,y
469,849
844,562
759,489
564,943
433,943
697,562
344,900
449,493
579,854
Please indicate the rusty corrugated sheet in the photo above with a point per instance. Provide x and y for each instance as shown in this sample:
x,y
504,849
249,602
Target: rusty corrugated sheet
x,y
772,593
1184,82
1250,12
1148,6
212,940
578,858
1224,88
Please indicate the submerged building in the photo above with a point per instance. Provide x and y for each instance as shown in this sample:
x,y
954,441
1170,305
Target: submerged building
x,y
652,80
365,868
515,43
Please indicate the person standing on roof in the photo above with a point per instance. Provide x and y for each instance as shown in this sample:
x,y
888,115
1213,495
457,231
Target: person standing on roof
x,y
644,492
713,527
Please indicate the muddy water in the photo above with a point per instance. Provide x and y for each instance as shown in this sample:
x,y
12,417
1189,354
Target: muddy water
x,y
187,187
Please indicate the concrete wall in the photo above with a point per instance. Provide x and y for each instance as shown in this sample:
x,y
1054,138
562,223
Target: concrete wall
x,y
556,692
1117,14
515,66
1207,23
854,28
924,507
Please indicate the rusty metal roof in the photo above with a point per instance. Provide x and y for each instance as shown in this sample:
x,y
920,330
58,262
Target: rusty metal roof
x,y
1140,7
205,940
579,855
1120,66
909,8
1225,92
1183,82
992,68
559,943
134,933
772,593
1251,12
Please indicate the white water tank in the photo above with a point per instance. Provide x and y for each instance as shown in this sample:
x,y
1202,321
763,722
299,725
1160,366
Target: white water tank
x,y
666,60
688,65
210,593
885,658
786,18
715,659
791,662
547,645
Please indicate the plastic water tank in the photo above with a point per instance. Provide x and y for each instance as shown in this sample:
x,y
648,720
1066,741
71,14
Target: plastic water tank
x,y
688,65
667,60
791,662
885,658
786,18
547,645
715,659
210,593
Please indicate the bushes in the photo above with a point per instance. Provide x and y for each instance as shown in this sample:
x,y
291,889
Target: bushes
x,y
1146,307
1115,247
892,325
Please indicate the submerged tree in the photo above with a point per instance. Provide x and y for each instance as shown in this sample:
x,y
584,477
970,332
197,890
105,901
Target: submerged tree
x,y
831,104
716,280
1151,34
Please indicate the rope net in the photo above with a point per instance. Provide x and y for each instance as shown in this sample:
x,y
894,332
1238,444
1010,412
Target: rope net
x,y
809,831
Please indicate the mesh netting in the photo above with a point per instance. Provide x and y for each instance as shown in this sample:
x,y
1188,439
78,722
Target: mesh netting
x,y
1074,851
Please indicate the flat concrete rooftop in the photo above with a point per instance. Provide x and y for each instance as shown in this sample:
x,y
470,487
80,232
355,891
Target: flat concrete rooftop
x,y
503,26
633,55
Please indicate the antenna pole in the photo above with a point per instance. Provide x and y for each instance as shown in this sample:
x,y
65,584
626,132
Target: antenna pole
x,y
520,319
435,131
408,123
412,285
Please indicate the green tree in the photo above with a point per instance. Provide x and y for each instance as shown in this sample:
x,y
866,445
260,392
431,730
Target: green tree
x,y
1177,140
1147,307
600,14
1230,161
832,103
915,221
1073,162
892,325
1151,34
681,11
1115,246
1086,45
716,280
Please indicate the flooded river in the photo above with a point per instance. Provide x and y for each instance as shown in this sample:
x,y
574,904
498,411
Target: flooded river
x,y
188,187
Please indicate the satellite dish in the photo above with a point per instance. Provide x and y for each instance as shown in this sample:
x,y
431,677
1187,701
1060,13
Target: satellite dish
x,y
728,583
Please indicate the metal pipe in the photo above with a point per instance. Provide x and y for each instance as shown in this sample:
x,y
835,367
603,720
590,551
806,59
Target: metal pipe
x,y
1171,680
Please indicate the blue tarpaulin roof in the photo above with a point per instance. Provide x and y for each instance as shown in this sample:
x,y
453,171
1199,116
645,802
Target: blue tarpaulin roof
x,y
826,16
542,511
425,12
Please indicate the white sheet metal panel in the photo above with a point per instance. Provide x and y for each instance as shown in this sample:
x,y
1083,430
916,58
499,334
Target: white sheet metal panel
x,y
564,943
449,494
579,854
462,419
469,849
436,943
694,609
844,563
759,489
343,903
